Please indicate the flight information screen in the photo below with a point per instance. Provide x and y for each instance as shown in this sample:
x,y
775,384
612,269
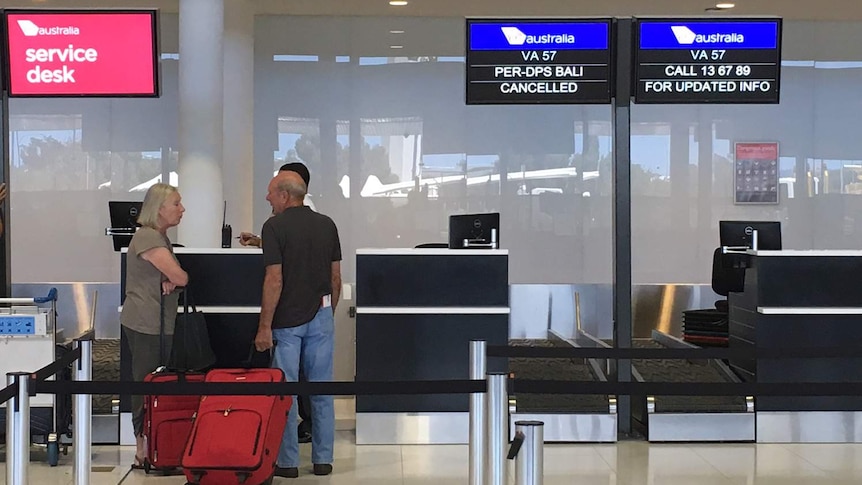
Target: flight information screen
x,y
707,61
538,61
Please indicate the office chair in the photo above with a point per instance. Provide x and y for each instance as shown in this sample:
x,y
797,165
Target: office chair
x,y
727,276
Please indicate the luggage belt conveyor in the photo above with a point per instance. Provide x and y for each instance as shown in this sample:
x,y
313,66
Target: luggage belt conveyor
x,y
567,417
689,418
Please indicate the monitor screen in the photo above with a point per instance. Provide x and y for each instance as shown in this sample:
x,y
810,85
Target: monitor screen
x,y
124,218
105,53
478,230
739,233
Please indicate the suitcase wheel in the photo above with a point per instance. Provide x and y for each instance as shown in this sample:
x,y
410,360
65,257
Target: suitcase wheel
x,y
147,466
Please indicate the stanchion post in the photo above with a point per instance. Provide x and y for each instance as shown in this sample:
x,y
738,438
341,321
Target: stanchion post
x,y
478,364
529,463
82,434
495,430
18,430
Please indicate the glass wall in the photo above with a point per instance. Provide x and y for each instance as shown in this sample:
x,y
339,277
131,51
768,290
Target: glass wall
x,y
376,109
393,150
69,157
683,162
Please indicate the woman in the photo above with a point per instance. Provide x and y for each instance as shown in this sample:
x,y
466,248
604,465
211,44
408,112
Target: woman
x,y
151,268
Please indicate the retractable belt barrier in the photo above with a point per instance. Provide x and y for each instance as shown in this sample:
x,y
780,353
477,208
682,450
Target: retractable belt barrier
x,y
487,451
668,353
519,386
38,384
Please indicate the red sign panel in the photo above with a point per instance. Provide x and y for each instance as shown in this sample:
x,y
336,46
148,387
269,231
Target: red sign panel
x,y
756,170
90,53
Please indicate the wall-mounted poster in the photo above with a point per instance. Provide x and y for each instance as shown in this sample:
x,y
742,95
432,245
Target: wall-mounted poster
x,y
756,173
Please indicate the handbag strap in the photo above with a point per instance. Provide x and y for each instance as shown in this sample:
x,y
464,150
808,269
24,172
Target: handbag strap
x,y
188,300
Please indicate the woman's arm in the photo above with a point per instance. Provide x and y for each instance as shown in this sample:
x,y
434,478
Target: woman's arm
x,y
162,259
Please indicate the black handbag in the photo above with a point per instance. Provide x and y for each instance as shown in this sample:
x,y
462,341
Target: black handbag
x,y
191,349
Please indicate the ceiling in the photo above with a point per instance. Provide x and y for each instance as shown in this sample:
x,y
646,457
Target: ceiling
x,y
789,9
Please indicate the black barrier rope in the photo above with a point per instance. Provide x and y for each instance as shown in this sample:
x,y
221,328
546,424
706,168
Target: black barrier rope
x,y
8,393
672,353
516,386
45,372
260,388
784,389
58,365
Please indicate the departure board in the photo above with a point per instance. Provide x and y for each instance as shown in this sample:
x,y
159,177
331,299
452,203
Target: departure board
x,y
538,61
707,61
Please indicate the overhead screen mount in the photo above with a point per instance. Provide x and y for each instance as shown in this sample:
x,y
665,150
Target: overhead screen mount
x,y
569,61
81,53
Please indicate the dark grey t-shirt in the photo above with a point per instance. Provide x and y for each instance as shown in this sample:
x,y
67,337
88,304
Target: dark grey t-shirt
x,y
305,244
144,286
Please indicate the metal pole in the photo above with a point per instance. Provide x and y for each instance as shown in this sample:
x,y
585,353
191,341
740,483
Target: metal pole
x,y
18,430
83,415
622,216
478,360
495,430
529,464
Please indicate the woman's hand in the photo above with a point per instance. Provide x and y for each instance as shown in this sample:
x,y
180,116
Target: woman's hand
x,y
168,288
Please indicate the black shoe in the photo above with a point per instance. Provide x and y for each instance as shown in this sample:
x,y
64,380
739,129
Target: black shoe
x,y
304,437
291,472
322,468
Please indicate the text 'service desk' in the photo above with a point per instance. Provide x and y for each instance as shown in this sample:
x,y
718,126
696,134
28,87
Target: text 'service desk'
x,y
417,311
801,299
226,285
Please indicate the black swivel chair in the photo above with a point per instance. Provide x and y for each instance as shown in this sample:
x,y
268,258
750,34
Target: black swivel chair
x,y
708,327
728,275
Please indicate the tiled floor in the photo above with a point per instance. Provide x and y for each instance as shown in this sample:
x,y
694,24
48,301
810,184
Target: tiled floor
x,y
624,463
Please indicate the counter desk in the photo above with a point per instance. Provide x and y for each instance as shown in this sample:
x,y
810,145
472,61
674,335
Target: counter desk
x,y
417,311
801,299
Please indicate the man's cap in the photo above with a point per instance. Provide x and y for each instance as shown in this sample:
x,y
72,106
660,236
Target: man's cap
x,y
299,168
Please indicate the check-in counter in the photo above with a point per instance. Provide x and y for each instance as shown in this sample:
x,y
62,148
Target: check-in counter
x,y
801,299
226,285
417,311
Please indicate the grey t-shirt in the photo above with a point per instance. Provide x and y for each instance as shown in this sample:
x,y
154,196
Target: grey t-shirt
x,y
144,286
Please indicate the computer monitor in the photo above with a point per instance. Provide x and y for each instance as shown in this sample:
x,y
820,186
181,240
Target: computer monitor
x,y
739,233
474,231
124,221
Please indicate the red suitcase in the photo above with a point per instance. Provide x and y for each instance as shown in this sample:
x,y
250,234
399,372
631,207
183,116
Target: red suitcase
x,y
235,439
168,422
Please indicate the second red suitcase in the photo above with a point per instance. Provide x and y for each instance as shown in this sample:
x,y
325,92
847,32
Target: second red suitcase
x,y
235,439
168,422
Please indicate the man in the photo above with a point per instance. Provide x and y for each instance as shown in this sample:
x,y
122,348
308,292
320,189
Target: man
x,y
249,239
302,285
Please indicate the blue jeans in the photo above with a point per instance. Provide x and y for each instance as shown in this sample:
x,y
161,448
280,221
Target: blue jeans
x,y
312,342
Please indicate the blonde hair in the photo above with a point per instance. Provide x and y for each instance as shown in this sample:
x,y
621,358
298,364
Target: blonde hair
x,y
153,201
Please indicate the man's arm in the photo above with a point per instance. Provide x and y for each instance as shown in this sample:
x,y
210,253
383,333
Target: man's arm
x,y
272,284
249,239
336,283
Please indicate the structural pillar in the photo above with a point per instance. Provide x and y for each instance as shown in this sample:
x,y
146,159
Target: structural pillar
x,y
201,111
238,167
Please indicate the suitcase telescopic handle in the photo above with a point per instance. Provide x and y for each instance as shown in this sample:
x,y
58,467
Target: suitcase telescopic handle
x,y
252,350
